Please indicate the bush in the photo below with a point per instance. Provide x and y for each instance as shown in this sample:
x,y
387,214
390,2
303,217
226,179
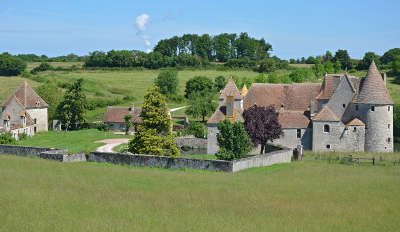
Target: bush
x,y
22,136
176,98
197,129
7,138
44,66
198,84
301,75
102,126
167,81
11,65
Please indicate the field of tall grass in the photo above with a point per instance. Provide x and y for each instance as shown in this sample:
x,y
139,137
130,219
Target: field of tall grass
x,y
42,195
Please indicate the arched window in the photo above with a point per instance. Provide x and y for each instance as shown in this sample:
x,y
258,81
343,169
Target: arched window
x,y
326,128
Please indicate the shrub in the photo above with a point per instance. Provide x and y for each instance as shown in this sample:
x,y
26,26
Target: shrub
x,y
11,65
219,83
167,81
7,138
22,136
44,66
197,129
102,126
198,84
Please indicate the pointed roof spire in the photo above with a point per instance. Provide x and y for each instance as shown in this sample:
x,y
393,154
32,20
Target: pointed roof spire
x,y
27,97
244,90
372,88
231,90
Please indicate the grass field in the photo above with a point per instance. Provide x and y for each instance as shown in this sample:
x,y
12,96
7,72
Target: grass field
x,y
41,195
74,141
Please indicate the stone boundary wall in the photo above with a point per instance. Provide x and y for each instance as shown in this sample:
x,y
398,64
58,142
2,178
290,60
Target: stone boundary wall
x,y
23,150
44,153
275,157
160,161
281,156
61,157
191,141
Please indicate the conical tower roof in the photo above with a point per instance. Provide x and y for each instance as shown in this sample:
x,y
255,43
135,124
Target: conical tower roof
x,y
231,90
372,88
244,91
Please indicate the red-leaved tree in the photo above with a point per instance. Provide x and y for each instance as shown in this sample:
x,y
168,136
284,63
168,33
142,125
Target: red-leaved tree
x,y
262,125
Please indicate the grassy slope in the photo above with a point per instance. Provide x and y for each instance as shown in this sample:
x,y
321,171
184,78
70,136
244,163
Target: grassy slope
x,y
74,141
305,196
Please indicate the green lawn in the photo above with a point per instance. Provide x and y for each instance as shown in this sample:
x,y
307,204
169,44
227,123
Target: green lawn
x,y
74,141
42,195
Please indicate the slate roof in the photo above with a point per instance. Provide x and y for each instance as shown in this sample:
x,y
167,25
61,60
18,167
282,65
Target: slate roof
x,y
293,119
116,114
27,97
355,122
373,89
231,90
295,97
326,114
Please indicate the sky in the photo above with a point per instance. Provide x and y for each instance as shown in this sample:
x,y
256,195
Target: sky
x,y
294,28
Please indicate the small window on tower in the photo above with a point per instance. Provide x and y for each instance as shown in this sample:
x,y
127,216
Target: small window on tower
x,y
389,140
356,107
388,108
354,129
326,128
298,133
388,126
328,146
372,108
344,105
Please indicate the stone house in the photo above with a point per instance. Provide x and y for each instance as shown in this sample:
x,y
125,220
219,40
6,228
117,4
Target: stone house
x,y
115,115
24,112
343,113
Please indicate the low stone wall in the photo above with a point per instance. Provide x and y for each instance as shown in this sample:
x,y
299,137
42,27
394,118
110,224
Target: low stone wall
x,y
23,150
161,161
275,157
61,157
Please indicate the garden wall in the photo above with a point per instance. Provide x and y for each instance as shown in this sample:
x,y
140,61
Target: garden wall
x,y
281,156
160,161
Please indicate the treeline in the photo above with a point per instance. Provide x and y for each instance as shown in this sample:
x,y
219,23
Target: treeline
x,y
347,63
43,58
219,48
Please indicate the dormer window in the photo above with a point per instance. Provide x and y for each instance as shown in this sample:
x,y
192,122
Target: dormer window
x,y
38,104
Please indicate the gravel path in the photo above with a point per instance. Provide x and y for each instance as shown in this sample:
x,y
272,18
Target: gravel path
x,y
110,144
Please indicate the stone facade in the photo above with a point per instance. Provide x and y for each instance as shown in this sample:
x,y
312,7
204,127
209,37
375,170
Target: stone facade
x,y
40,116
344,113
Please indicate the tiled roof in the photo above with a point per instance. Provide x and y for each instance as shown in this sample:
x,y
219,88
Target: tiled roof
x,y
117,114
220,114
355,122
231,90
329,85
326,114
27,97
372,88
244,91
296,97
293,119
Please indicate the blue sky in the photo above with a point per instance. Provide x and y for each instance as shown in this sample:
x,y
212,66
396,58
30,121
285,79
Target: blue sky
x,y
294,28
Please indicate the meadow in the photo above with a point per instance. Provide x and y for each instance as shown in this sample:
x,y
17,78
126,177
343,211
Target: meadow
x,y
73,141
42,195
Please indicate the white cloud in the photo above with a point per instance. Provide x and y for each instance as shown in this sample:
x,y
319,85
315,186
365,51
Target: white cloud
x,y
147,42
141,21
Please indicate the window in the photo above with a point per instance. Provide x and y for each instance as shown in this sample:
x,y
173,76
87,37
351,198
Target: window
x,y
372,108
326,128
356,107
344,105
38,103
389,140
388,108
388,126
5,123
35,121
298,133
328,146
354,129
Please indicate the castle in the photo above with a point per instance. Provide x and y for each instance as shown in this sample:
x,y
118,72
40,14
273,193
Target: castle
x,y
25,112
343,113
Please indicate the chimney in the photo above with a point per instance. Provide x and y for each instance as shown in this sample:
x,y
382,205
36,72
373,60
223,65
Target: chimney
x,y
229,106
384,78
132,107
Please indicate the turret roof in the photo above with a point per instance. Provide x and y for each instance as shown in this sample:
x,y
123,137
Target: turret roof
x,y
373,89
326,114
231,90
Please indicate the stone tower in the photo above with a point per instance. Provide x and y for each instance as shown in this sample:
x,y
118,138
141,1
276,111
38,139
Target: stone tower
x,y
374,107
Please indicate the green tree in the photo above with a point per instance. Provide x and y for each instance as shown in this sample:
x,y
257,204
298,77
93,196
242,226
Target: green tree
x,y
11,65
267,65
233,141
274,78
201,104
337,66
153,136
222,47
198,84
396,66
219,83
128,123
168,82
71,110
52,95
367,59
44,66
329,67
390,55
7,138
396,120
343,57
327,57
261,79
318,68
